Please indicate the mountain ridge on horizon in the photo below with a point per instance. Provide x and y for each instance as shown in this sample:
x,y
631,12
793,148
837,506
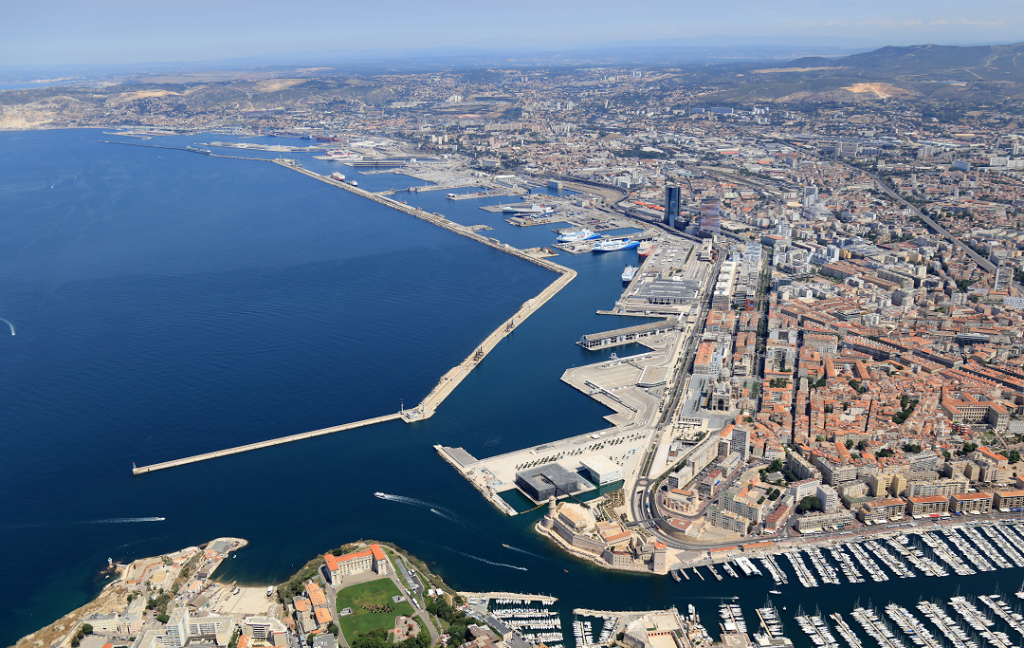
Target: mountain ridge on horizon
x,y
695,50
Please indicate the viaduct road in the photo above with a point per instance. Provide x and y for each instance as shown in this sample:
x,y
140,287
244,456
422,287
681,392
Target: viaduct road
x,y
982,262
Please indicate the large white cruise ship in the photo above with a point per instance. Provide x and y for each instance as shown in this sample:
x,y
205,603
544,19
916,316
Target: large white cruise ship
x,y
579,235
615,245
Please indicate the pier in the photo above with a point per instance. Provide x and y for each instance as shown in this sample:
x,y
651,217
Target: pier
x,y
263,444
875,629
981,623
509,596
911,626
620,614
950,628
846,632
452,378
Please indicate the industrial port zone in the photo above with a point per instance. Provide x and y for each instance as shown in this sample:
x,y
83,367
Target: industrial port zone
x,y
657,397
670,285
655,412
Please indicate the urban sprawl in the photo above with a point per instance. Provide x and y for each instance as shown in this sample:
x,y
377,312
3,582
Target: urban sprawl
x,y
836,369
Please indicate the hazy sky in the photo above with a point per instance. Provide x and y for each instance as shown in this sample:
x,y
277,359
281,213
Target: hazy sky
x,y
132,31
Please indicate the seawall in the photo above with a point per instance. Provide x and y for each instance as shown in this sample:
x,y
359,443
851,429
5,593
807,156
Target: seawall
x,y
451,379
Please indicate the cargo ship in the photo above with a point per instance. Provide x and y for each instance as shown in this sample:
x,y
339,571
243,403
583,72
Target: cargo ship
x,y
341,155
628,274
645,249
326,138
615,245
579,235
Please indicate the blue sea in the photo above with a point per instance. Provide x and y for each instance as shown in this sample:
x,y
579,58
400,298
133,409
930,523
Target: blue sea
x,y
168,303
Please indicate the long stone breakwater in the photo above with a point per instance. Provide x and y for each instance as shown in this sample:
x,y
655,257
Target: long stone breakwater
x,y
450,380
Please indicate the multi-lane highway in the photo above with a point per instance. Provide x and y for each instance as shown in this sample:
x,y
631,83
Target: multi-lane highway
x,y
982,262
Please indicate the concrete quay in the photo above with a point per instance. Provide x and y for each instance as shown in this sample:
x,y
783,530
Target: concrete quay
x,y
492,497
525,598
621,615
493,476
262,444
490,193
448,186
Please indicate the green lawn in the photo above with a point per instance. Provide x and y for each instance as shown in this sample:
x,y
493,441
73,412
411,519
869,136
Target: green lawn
x,y
378,592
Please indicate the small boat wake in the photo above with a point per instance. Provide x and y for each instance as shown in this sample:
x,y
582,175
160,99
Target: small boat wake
x,y
522,551
447,517
8,324
489,562
436,509
127,520
38,525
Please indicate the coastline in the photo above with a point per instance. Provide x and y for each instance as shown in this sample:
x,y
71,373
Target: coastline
x,y
110,597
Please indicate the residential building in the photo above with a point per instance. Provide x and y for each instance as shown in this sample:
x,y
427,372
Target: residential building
x,y
883,510
1006,500
930,505
817,521
977,503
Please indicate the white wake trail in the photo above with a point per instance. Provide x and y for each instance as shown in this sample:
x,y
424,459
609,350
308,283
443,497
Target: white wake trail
x,y
522,551
489,562
412,501
128,520
447,517
8,324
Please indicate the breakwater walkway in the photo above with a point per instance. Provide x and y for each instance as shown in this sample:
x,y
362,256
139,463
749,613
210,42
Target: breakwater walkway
x,y
450,380
263,444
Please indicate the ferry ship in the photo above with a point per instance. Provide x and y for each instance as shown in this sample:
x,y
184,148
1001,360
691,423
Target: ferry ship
x,y
628,274
579,235
645,249
615,245
527,209
341,155
340,177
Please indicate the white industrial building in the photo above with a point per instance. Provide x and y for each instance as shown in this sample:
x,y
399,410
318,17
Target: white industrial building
x,y
602,470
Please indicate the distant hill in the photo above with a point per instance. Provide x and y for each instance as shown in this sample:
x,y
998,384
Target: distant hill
x,y
943,73
813,62
987,62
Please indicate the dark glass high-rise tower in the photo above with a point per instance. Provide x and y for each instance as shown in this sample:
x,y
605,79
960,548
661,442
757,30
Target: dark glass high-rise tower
x,y
673,205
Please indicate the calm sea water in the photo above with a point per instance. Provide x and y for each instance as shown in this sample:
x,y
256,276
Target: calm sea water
x,y
168,303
